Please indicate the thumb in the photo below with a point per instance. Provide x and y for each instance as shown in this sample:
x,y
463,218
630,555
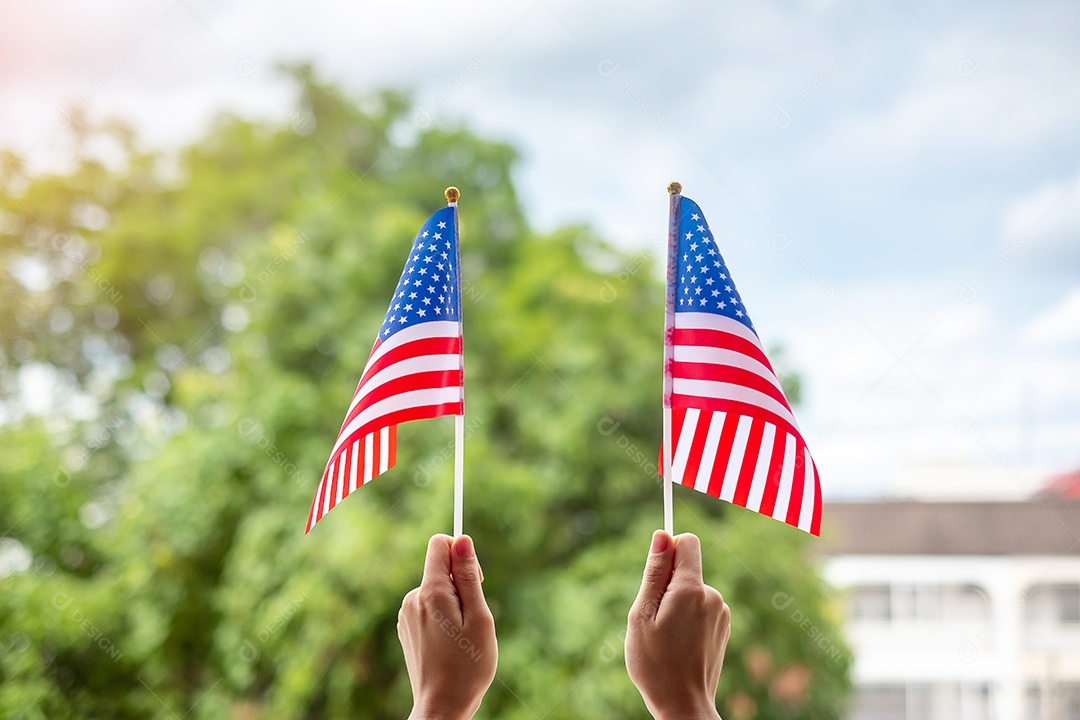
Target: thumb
x,y
657,574
467,576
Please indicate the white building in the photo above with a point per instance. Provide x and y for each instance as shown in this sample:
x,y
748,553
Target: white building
x,y
960,610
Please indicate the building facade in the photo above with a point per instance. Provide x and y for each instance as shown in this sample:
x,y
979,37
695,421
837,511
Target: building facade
x,y
960,611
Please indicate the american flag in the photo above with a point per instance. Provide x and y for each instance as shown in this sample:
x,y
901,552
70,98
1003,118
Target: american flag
x,y
414,370
733,433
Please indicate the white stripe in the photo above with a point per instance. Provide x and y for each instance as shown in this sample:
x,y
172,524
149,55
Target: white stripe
x,y
761,472
806,515
738,451
318,500
708,321
787,473
384,450
341,480
683,445
394,403
369,450
353,470
708,452
329,481
436,328
731,391
727,358
423,363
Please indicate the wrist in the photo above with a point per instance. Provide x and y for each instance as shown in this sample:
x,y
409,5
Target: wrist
x,y
418,714
434,710
700,711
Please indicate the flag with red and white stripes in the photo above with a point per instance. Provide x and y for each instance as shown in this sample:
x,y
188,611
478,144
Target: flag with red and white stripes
x,y
733,433
414,370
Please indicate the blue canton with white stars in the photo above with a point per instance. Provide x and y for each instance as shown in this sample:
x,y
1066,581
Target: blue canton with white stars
x,y
428,286
703,283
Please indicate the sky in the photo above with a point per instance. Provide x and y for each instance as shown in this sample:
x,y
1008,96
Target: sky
x,y
894,184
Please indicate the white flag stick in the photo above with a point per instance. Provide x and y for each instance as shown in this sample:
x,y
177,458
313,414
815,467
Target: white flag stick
x,y
674,190
459,470
452,194
669,523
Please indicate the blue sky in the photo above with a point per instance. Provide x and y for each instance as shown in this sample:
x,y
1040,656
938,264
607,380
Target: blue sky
x,y
894,184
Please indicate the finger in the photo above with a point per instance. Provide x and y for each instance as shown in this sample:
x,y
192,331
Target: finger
x,y
437,564
657,574
687,560
467,577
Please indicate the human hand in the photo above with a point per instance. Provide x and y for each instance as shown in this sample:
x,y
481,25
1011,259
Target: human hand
x,y
677,632
448,633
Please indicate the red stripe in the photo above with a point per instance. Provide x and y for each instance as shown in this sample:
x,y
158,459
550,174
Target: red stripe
x,y
376,451
723,454
678,415
414,348
430,380
331,486
733,406
720,339
749,463
795,502
311,513
776,468
393,447
697,445
348,469
729,374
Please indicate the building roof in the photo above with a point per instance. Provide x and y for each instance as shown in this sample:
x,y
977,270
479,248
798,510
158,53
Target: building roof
x,y
1065,486
1040,526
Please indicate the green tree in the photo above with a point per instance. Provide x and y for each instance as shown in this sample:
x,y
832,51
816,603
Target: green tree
x,y
180,336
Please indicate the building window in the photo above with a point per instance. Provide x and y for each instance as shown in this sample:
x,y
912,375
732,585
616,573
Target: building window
x,y
918,602
880,702
1053,605
1052,701
871,602
922,701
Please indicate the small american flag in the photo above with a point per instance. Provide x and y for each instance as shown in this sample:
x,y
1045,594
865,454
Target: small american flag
x,y
414,370
733,433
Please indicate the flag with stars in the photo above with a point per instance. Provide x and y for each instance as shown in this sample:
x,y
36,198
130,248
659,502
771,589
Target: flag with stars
x,y
733,433
414,370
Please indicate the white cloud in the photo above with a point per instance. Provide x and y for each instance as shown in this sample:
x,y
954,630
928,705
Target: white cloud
x,y
1057,326
939,137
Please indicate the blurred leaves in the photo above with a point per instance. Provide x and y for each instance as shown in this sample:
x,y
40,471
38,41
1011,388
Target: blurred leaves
x,y
180,338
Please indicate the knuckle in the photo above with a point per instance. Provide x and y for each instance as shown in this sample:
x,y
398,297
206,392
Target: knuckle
x,y
687,540
427,597
408,603
469,574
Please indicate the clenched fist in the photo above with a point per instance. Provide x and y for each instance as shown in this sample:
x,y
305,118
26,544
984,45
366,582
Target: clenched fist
x,y
448,633
677,632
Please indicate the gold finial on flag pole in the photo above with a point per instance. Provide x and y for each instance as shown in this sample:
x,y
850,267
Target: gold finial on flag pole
x,y
452,194
673,188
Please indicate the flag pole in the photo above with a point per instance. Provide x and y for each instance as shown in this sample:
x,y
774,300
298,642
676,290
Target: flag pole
x,y
674,191
452,194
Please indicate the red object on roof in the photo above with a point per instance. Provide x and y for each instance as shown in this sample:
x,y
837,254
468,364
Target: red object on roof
x,y
1066,487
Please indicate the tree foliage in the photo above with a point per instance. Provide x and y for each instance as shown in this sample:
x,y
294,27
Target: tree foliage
x,y
180,337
